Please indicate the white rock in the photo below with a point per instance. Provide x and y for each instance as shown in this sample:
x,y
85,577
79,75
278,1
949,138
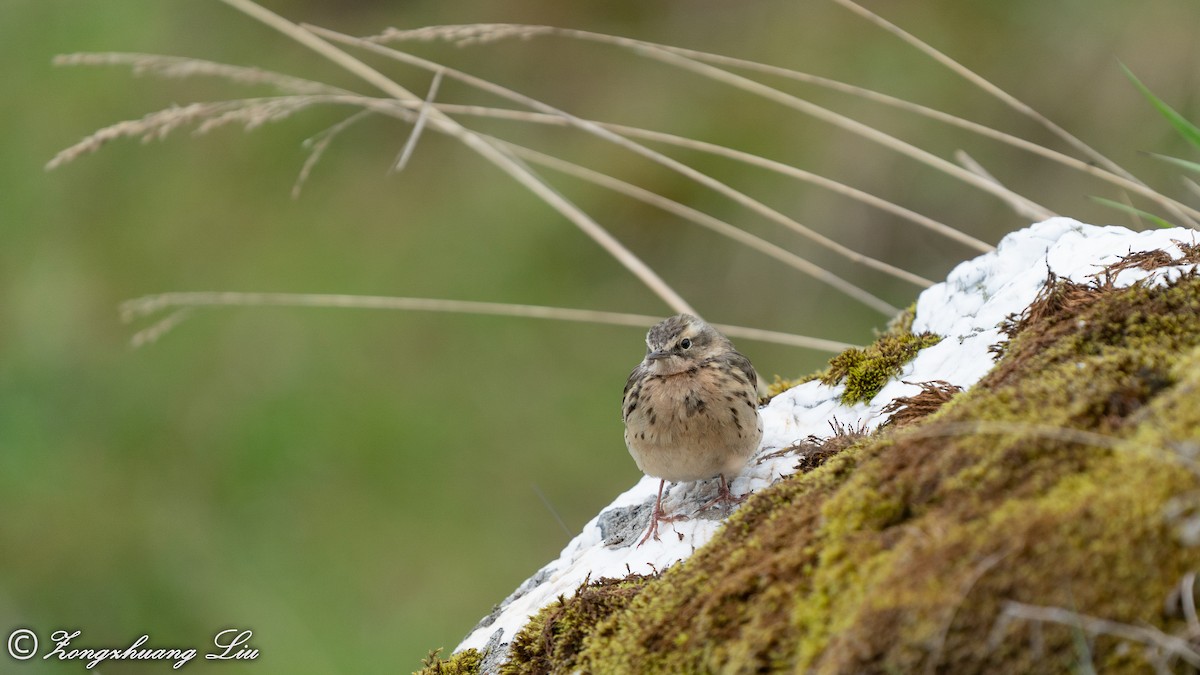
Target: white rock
x,y
965,309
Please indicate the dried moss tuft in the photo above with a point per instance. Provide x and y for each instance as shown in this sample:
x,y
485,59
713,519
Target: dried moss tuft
x,y
908,409
554,637
815,450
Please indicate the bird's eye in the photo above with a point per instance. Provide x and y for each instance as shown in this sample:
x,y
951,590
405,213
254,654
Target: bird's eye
x,y
685,343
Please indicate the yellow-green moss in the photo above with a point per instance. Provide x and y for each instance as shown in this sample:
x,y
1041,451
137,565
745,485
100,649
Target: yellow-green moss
x,y
866,370
903,322
864,367
466,662
1046,484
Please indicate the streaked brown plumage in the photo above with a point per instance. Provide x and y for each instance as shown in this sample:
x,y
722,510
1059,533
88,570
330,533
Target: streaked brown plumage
x,y
690,408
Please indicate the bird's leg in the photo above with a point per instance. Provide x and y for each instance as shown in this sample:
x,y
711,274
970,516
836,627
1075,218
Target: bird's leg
x,y
657,515
724,496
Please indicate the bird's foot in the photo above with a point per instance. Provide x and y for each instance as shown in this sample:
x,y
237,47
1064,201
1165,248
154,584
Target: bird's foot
x,y
653,529
658,516
725,497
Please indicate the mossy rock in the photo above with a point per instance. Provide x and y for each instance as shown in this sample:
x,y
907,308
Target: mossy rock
x,y
865,371
1051,483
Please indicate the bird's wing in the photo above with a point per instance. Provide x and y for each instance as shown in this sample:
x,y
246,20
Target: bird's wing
x,y
638,373
743,364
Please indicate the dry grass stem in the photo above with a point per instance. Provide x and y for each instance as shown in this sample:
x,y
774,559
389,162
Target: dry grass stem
x,y
674,57
487,150
419,125
846,124
150,335
1187,600
182,67
422,112
208,116
969,163
153,126
736,155
1186,213
252,112
1131,211
659,158
977,573
257,112
464,34
984,84
707,221
1151,637
1191,185
635,192
317,145
321,47
137,308
481,33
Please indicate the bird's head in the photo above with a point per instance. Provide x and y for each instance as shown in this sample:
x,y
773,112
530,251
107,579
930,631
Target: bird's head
x,y
680,342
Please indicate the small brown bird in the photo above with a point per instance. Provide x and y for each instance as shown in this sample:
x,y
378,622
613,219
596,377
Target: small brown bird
x,y
690,409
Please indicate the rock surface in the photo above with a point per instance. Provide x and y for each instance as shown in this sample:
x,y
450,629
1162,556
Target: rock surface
x,y
969,312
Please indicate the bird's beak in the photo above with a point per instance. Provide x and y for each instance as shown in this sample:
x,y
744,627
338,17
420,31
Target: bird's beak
x,y
658,355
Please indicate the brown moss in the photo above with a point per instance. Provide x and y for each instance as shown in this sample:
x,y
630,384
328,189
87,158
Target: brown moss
x,y
1057,303
1152,260
1045,484
814,451
1190,250
1143,260
908,409
553,638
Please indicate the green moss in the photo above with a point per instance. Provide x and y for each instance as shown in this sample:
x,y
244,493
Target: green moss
x,y
869,367
466,662
1045,484
866,370
903,322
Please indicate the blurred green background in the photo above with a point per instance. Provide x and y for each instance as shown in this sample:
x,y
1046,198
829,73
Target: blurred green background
x,y
358,487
